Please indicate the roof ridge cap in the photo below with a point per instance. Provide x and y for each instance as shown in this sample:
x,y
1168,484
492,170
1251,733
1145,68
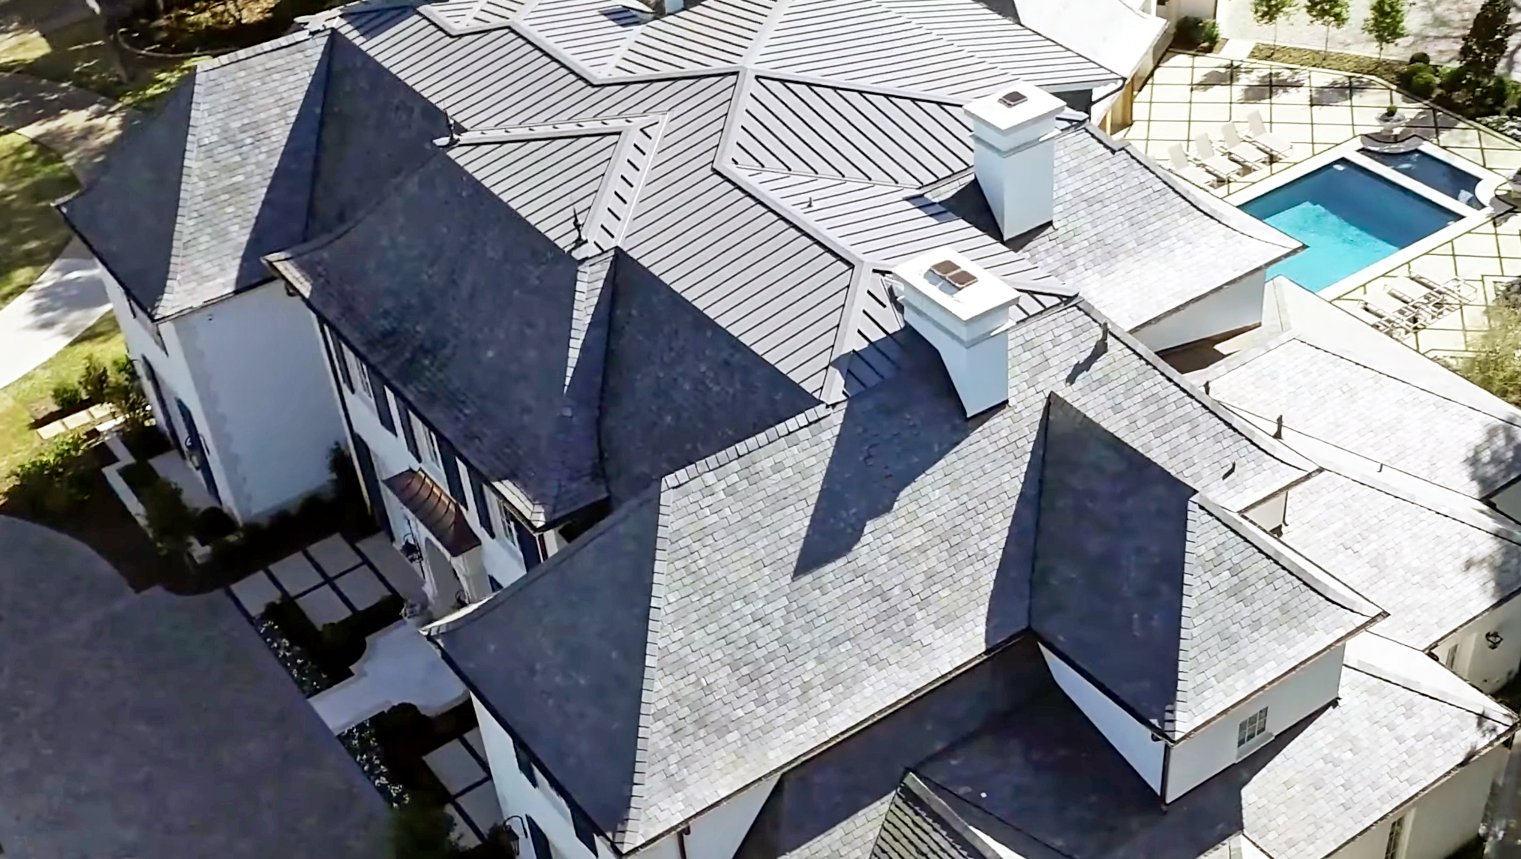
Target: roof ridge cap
x,y
1472,517
747,446
1412,688
285,41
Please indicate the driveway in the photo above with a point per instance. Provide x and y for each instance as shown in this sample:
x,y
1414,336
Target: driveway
x,y
154,725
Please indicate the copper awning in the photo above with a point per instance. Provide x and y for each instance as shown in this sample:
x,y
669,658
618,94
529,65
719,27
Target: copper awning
x,y
433,507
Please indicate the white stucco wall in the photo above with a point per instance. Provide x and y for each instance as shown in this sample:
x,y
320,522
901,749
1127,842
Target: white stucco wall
x,y
1129,737
499,555
519,797
1213,748
172,374
1442,820
717,833
1477,663
261,381
1232,307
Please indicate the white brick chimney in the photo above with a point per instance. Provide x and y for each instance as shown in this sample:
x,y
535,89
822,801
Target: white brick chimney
x,y
1014,152
962,309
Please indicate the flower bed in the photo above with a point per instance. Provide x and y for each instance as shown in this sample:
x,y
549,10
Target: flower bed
x,y
309,677
364,747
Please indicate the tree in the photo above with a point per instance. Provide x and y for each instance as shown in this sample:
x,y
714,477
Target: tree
x,y
1487,39
1328,14
1386,23
1266,12
1495,363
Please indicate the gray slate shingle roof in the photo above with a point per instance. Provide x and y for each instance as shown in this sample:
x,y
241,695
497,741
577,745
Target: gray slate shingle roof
x,y
228,170
1379,416
1049,774
1432,569
1195,612
794,579
526,398
917,825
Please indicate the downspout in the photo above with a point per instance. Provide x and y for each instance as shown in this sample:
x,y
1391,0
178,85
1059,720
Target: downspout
x,y
681,840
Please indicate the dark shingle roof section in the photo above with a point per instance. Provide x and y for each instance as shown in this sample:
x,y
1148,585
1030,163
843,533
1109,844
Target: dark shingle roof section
x,y
917,825
810,541
1193,614
1047,773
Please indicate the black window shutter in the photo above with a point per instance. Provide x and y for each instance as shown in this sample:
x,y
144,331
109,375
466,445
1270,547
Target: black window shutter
x,y
451,470
528,544
584,830
540,843
404,415
382,401
482,510
525,763
343,366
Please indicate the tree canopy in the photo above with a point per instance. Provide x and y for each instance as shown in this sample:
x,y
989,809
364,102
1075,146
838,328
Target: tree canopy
x,y
1487,39
1386,23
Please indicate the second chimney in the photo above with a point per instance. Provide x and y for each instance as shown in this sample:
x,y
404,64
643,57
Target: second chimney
x,y
962,309
1014,152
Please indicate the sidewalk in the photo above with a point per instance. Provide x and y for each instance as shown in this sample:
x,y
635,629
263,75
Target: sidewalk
x,y
64,301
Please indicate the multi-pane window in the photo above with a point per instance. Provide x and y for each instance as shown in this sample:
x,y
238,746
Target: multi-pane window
x,y
1396,837
359,372
431,445
1251,728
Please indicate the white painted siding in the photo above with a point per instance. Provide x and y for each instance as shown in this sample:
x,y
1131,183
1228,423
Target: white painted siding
x,y
142,346
1129,737
718,832
1213,748
500,556
1442,820
263,398
1477,663
1232,307
520,798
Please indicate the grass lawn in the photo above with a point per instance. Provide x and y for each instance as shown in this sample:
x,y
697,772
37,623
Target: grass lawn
x,y
31,178
17,439
77,54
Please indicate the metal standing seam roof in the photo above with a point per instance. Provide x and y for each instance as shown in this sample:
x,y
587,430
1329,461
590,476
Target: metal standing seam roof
x,y
1385,418
793,578
1433,568
1050,775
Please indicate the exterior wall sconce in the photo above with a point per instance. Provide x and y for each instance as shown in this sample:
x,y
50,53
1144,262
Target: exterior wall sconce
x,y
1493,639
410,551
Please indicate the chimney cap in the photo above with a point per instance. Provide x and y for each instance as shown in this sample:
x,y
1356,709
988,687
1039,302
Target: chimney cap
x,y
1015,105
957,285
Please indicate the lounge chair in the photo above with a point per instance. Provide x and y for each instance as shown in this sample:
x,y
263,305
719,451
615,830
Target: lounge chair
x,y
1179,164
1242,150
1206,157
1257,132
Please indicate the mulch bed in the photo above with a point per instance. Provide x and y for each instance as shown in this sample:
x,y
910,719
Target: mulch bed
x,y
1387,68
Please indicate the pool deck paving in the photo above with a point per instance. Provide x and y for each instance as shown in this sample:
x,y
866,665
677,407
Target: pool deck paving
x,y
1318,110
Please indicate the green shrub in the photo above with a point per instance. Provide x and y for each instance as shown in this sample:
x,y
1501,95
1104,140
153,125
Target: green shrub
x,y
1424,84
56,478
1408,73
1454,79
213,523
421,830
1420,58
170,519
1199,31
95,380
67,396
123,391
1209,32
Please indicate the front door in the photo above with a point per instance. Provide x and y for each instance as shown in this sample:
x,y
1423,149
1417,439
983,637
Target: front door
x,y
163,406
195,451
366,465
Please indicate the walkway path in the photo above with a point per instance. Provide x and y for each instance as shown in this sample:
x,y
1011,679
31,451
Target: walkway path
x,y
64,301
70,295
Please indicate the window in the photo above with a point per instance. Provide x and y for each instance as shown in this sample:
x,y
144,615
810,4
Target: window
x,y
1251,728
432,440
525,763
364,378
1395,845
584,831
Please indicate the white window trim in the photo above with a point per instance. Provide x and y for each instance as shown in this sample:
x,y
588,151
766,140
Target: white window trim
x,y
1399,836
431,453
1257,740
358,370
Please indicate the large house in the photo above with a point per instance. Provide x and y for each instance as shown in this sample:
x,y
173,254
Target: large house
x,y
769,394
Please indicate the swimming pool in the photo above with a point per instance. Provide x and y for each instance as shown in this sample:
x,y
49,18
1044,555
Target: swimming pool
x,y
1348,218
1434,173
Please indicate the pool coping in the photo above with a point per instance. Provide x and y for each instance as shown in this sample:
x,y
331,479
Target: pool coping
x,y
1351,150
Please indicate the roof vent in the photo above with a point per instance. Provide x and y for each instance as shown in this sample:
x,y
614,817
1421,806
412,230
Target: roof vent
x,y
962,309
1014,152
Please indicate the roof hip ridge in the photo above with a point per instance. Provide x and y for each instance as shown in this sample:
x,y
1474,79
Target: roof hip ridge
x,y
747,446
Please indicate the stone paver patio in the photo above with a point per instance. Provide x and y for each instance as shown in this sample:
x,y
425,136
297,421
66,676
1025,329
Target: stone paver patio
x,y
461,766
1318,110
331,579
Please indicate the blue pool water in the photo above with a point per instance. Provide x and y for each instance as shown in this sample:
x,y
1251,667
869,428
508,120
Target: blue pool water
x,y
1348,218
1434,173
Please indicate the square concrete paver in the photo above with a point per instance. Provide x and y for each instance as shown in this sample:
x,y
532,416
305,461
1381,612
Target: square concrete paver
x,y
362,587
323,606
455,767
256,592
473,738
402,576
296,574
334,555
482,806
